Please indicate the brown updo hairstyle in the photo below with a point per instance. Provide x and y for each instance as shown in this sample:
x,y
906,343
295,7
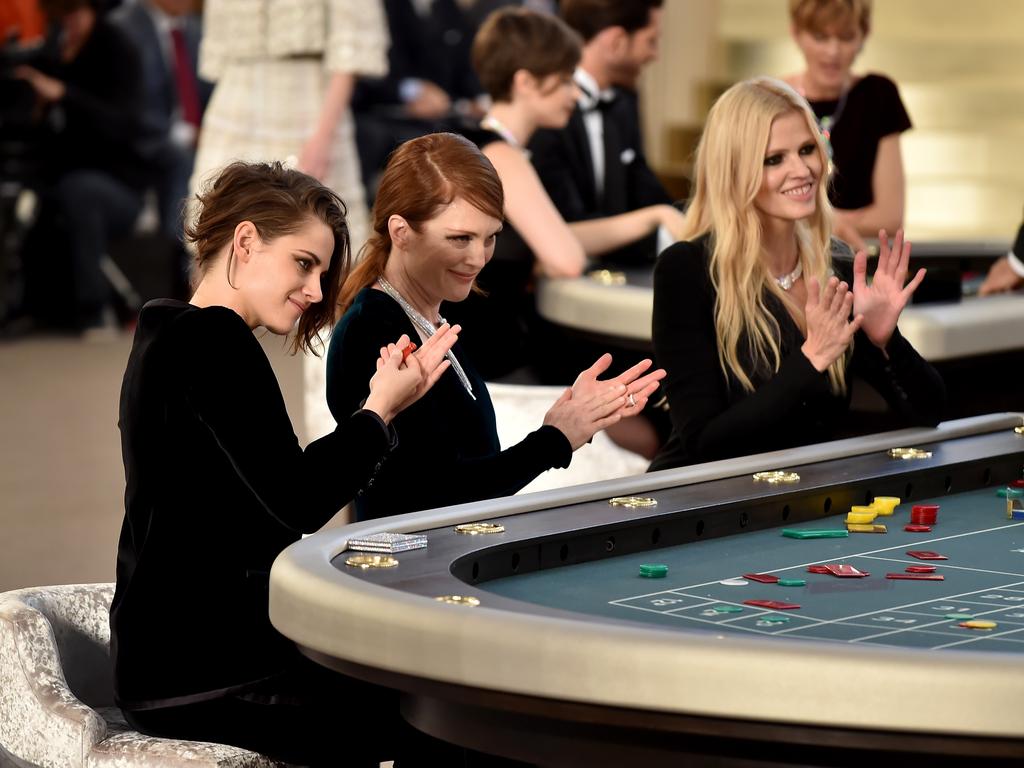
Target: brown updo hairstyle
x,y
511,39
278,201
817,16
422,177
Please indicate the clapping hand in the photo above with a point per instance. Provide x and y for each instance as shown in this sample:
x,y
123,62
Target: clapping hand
x,y
829,328
883,300
403,378
638,387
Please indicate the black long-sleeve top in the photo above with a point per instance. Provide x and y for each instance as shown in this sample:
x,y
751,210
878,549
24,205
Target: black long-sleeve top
x,y
449,451
216,486
715,418
102,108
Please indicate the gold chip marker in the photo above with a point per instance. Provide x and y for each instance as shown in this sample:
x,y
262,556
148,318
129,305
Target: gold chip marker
x,y
776,477
366,562
909,453
467,600
633,501
608,277
477,529
1019,430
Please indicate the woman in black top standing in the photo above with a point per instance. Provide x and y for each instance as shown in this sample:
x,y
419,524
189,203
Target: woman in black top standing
x,y
752,315
861,116
217,484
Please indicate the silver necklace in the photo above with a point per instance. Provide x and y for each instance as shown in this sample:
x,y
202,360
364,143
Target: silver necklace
x,y
786,281
427,327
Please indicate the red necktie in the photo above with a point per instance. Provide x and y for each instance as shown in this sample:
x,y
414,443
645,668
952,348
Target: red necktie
x,y
188,93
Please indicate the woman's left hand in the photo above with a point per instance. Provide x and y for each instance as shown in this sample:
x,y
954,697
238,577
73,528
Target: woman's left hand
x,y
883,300
638,386
315,158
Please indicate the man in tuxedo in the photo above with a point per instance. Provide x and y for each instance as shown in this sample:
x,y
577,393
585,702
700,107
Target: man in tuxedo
x,y
595,166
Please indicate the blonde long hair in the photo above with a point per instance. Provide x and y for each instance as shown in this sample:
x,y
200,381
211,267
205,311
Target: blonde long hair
x,y
729,171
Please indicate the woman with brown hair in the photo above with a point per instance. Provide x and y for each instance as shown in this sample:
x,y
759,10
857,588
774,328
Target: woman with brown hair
x,y
217,484
436,219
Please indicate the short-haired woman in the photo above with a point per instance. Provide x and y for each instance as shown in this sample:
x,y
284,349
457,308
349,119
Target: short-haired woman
x,y
861,116
752,314
217,484
435,221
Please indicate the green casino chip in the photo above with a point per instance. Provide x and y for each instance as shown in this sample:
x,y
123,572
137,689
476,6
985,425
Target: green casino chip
x,y
792,582
1010,493
725,608
654,570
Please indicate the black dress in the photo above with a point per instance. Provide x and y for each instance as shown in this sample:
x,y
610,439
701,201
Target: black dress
x,y
872,110
715,418
216,487
449,451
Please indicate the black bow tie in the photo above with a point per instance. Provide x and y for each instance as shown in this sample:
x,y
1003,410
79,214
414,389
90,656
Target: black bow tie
x,y
597,102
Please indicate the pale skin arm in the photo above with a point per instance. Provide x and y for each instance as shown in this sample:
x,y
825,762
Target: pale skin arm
x,y
562,249
316,152
530,210
889,188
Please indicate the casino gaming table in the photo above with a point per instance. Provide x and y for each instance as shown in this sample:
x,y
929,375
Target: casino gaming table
x,y
552,648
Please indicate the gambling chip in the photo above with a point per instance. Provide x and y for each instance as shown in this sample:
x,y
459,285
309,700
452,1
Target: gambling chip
x,y
727,608
654,571
885,505
978,624
608,277
633,501
792,582
466,600
868,528
909,453
1019,430
479,529
793,533
368,562
1010,493
776,477
861,515
734,582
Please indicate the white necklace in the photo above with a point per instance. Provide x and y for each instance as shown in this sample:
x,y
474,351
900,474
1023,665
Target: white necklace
x,y
426,327
786,281
491,123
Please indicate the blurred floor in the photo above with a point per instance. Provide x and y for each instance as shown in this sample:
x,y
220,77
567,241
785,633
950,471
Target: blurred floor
x,y
61,478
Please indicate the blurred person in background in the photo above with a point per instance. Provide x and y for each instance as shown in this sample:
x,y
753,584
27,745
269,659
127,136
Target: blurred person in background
x,y
429,82
93,181
595,166
860,116
167,35
1007,274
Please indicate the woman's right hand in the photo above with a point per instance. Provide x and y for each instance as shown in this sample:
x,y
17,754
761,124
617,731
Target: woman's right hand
x,y
403,379
829,328
581,417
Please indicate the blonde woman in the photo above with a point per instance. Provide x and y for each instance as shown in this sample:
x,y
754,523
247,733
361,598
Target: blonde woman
x,y
754,318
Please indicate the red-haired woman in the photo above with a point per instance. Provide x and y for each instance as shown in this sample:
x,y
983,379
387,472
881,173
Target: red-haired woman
x,y
436,217
217,484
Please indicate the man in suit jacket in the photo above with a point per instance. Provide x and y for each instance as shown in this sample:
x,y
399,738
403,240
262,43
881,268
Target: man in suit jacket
x,y
595,166
166,34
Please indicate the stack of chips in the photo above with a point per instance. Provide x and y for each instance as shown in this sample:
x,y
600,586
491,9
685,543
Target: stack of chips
x,y
861,519
924,514
885,505
653,571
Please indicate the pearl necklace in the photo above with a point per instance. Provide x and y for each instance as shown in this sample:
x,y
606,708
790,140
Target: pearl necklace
x,y
427,328
786,281
491,123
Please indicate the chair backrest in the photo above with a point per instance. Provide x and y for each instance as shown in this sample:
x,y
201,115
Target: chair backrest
x,y
79,617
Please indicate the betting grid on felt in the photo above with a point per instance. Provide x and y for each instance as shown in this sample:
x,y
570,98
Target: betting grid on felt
x,y
984,577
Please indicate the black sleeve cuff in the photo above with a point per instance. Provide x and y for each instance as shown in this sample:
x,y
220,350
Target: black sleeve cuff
x,y
388,429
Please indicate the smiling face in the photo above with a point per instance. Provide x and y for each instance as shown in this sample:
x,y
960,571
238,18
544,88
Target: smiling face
x,y
282,278
443,259
792,171
829,54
